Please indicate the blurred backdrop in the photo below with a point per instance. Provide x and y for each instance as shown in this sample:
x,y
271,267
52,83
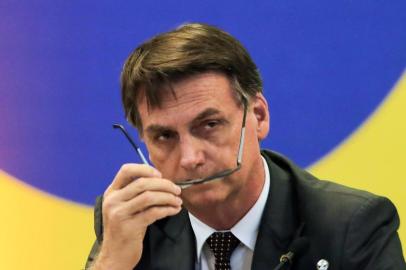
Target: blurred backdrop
x,y
333,71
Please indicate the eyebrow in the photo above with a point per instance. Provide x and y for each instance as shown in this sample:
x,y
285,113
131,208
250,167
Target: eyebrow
x,y
205,114
156,128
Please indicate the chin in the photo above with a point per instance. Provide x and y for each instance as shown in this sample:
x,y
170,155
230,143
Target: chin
x,y
204,195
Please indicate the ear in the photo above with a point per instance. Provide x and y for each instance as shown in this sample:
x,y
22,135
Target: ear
x,y
259,107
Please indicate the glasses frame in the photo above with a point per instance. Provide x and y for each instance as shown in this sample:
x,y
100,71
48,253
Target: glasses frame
x,y
191,182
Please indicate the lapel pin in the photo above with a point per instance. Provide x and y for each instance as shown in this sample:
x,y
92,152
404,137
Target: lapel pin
x,y
322,264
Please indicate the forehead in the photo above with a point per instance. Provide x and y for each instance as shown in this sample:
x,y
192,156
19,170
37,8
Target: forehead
x,y
189,96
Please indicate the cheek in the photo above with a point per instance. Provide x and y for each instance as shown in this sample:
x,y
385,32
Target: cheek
x,y
166,163
158,157
258,129
251,144
158,153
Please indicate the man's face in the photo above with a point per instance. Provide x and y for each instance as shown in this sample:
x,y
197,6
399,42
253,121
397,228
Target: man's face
x,y
197,134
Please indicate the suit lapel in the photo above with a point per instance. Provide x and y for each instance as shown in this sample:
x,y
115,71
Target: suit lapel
x,y
172,243
279,221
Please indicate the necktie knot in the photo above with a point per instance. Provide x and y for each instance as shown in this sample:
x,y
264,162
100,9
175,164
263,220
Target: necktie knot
x,y
222,245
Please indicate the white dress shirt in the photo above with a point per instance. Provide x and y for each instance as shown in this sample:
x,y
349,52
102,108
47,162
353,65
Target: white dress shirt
x,y
246,230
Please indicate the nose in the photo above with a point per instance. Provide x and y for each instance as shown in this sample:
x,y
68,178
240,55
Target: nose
x,y
192,154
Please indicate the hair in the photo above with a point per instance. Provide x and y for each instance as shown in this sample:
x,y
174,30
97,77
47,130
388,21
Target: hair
x,y
190,49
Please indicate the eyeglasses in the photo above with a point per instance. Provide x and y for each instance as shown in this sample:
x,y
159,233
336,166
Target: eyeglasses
x,y
190,182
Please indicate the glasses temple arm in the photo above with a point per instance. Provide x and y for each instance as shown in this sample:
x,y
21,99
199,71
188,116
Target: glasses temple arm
x,y
137,149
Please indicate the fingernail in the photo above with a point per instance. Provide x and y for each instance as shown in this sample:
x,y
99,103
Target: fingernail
x,y
179,200
178,190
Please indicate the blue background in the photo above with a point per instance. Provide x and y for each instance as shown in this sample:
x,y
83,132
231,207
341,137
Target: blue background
x,y
326,66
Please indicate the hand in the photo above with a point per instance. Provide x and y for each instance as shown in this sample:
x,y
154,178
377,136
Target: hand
x,y
136,198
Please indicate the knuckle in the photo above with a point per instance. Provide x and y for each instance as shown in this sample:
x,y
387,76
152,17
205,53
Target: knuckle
x,y
107,205
141,183
114,214
148,197
125,168
110,201
118,214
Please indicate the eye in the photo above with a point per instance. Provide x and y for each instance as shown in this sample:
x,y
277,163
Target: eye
x,y
211,124
164,136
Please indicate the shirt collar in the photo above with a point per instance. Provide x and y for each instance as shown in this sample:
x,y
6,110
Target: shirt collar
x,y
246,230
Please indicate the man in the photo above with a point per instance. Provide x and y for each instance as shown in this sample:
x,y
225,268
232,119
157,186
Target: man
x,y
195,96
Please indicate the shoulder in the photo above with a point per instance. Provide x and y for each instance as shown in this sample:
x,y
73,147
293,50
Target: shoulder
x,y
321,197
352,224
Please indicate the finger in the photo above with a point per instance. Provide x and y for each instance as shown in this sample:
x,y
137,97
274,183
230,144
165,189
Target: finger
x,y
150,199
153,214
141,185
114,207
135,208
131,171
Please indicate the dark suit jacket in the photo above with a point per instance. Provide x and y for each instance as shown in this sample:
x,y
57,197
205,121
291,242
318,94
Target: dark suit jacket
x,y
349,228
